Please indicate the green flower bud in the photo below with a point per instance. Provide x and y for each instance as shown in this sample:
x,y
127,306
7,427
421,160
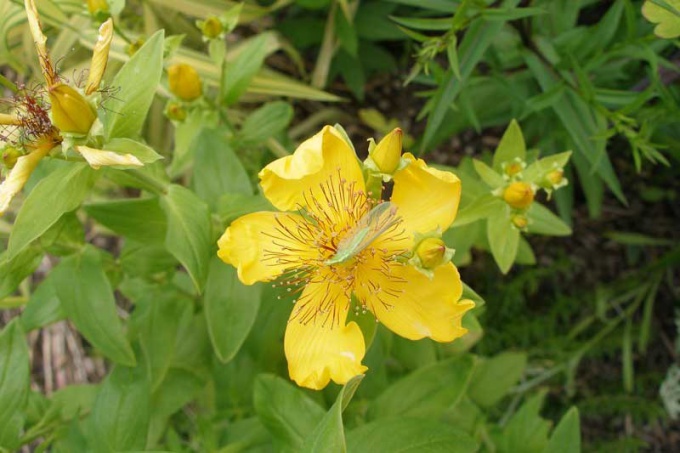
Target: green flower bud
x,y
211,27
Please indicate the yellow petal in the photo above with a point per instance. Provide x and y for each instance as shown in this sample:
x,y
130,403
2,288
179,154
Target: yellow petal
x,y
40,42
71,112
289,182
264,245
22,171
101,158
427,198
319,346
412,305
100,56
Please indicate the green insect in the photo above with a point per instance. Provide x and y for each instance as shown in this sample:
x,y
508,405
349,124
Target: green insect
x,y
373,224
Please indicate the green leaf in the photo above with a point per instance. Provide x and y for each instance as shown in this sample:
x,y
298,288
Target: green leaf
x,y
285,410
120,416
188,238
505,14
237,74
217,170
503,239
493,378
139,219
409,435
43,308
452,55
230,309
583,125
136,85
534,172
265,122
14,384
428,24
87,299
329,434
428,391
231,206
511,147
543,221
478,38
526,431
664,13
566,437
158,314
14,271
491,176
481,208
59,192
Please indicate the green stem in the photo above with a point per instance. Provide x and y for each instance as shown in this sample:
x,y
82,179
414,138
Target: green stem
x,y
4,81
13,302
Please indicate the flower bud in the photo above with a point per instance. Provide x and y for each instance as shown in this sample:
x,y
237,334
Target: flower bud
x,y
518,195
175,112
555,177
387,153
98,7
512,168
519,221
100,56
9,156
71,112
211,27
431,252
184,82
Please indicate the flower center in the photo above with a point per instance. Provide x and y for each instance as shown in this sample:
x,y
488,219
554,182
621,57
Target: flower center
x,y
340,233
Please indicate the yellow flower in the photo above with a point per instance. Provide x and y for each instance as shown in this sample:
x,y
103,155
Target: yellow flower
x,y
519,195
184,82
331,242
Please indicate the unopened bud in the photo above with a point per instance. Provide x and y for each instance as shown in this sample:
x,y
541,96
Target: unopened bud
x,y
10,156
98,8
175,112
387,153
520,221
184,82
211,27
431,252
512,168
71,112
555,177
519,195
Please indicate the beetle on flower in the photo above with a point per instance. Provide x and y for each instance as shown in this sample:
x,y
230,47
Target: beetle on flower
x,y
336,244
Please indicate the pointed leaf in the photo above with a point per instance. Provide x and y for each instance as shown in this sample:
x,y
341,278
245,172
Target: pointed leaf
x,y
511,147
188,237
136,83
329,434
503,239
14,384
87,299
59,192
230,309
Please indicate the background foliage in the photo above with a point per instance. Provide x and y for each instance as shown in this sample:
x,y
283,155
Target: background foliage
x,y
122,331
